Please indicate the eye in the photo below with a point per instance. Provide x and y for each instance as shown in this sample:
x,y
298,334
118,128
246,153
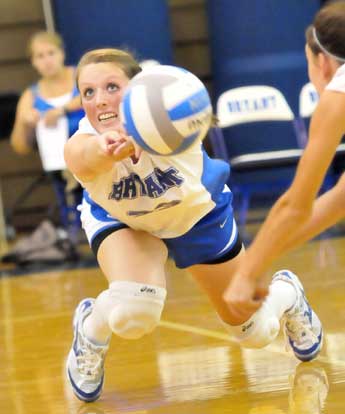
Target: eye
x,y
112,87
88,92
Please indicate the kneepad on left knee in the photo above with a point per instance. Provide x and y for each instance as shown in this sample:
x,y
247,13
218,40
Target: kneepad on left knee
x,y
137,308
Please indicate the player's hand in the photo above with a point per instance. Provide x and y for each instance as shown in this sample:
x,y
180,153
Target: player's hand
x,y
244,296
51,117
31,117
137,149
116,145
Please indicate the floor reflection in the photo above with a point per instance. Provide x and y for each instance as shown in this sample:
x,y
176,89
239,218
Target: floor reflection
x,y
309,389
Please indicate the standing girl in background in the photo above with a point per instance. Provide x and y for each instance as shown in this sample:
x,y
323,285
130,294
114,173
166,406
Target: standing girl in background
x,y
53,96
297,216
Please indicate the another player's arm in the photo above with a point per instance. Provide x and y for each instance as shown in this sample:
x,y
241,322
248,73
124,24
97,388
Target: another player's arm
x,y
328,209
24,125
295,217
90,155
73,105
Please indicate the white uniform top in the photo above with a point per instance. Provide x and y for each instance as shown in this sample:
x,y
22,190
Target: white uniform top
x,y
162,195
338,81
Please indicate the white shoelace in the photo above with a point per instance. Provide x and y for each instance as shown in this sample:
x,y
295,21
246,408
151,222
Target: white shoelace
x,y
298,331
90,362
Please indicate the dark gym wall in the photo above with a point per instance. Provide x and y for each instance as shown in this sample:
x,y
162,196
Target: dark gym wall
x,y
141,26
260,42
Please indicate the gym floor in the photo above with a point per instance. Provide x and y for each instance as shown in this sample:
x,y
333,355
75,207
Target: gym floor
x,y
189,365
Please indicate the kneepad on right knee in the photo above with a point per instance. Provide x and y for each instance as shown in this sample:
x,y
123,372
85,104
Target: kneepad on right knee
x,y
136,308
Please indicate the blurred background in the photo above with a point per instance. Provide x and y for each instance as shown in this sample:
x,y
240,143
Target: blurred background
x,y
227,43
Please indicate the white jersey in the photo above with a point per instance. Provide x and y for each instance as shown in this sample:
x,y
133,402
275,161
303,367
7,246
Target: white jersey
x,y
165,196
337,83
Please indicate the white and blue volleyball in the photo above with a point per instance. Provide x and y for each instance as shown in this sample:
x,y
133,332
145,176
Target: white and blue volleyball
x,y
166,109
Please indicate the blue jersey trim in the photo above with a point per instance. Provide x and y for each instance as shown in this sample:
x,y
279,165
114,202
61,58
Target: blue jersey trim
x,y
42,105
97,211
215,175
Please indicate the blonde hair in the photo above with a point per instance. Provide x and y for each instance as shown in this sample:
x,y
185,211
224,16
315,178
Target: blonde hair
x,y
49,37
124,60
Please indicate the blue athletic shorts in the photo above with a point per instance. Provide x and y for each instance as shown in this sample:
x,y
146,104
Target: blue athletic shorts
x,y
213,239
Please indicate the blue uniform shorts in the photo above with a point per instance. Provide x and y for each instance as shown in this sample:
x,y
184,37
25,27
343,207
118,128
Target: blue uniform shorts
x,y
213,239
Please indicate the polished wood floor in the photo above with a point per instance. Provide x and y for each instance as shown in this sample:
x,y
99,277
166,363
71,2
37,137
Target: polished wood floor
x,y
189,365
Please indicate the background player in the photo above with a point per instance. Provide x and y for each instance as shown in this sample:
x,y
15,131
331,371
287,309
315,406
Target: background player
x,y
53,96
297,216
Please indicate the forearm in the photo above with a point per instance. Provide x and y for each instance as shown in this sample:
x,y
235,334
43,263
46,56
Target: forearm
x,y
20,139
73,105
328,209
89,155
273,239
94,158
23,131
285,230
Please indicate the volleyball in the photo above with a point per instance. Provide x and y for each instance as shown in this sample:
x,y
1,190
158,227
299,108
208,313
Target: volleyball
x,y
166,109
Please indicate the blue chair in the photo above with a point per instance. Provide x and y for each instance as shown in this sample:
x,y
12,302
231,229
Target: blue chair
x,y
260,137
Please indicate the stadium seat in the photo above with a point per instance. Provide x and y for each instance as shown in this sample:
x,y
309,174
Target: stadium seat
x,y
255,157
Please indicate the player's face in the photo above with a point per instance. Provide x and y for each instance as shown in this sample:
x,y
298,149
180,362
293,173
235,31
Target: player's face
x,y
101,88
47,58
315,71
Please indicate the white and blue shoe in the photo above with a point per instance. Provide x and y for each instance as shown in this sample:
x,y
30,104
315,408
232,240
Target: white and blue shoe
x,y
85,362
302,326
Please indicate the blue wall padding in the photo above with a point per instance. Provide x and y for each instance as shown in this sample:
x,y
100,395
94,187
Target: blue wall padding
x,y
143,27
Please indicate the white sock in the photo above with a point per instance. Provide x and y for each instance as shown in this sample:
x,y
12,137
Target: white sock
x,y
282,296
95,326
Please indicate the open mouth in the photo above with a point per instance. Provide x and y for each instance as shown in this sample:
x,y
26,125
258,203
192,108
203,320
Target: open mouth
x,y
107,116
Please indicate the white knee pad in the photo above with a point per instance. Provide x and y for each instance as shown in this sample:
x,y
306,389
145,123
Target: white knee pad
x,y
260,330
136,308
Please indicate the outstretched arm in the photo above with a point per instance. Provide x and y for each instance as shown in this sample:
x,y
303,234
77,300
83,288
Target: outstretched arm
x,y
327,210
89,155
294,217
